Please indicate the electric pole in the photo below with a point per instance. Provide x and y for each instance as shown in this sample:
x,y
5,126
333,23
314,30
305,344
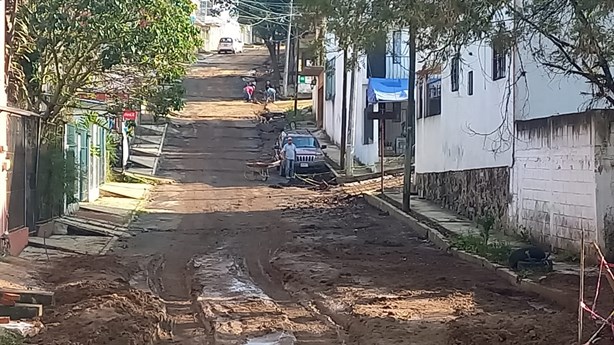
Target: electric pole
x,y
409,120
349,153
344,110
287,65
298,76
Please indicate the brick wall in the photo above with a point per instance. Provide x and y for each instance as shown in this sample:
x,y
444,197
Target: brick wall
x,y
553,180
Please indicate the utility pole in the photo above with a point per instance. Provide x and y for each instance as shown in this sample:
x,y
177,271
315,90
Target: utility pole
x,y
344,110
287,65
409,120
349,154
297,79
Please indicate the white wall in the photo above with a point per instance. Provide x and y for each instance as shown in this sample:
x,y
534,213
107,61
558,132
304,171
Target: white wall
x,y
333,107
542,93
215,27
456,139
553,181
367,154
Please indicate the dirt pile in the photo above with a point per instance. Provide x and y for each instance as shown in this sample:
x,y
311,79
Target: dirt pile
x,y
96,305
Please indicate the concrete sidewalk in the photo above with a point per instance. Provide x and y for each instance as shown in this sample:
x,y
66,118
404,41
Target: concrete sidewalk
x,y
94,228
445,219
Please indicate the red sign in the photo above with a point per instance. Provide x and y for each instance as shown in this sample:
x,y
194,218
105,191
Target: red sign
x,y
129,115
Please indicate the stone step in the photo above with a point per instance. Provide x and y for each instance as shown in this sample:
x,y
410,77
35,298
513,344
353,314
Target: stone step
x,y
45,298
21,311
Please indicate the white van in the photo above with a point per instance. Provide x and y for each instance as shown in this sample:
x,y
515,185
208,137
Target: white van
x,y
229,45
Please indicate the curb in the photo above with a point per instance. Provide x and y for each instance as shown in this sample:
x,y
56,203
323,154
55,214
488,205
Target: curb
x,y
556,296
108,246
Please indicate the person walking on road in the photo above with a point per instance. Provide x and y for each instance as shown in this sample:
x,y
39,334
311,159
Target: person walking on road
x,y
289,154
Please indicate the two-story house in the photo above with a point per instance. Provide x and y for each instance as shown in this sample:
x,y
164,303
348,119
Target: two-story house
x,y
498,134
381,77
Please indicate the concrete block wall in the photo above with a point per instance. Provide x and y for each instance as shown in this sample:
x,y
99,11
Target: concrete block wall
x,y
553,183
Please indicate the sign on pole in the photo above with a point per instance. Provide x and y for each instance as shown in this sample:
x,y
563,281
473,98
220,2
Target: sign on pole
x,y
130,115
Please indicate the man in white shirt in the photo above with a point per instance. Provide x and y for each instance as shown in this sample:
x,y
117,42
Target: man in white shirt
x,y
289,154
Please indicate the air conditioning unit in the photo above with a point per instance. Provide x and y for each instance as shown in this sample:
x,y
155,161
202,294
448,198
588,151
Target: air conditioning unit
x,y
399,147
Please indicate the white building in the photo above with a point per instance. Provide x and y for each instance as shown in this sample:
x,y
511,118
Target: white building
x,y
388,61
498,134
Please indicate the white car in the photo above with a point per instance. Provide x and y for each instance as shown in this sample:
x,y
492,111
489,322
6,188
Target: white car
x,y
230,45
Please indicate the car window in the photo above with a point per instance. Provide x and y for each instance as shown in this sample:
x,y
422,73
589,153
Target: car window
x,y
303,142
225,40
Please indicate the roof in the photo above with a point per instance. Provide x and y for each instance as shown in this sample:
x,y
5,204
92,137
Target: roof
x,y
17,111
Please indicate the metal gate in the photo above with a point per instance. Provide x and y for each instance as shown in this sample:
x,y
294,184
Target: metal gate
x,y
21,152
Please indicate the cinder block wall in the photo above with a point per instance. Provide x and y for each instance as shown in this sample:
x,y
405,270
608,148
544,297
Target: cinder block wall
x,y
555,179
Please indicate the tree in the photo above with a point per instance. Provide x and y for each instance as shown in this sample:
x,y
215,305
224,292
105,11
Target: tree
x,y
269,20
85,45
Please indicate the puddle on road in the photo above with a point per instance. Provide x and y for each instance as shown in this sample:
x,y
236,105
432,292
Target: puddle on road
x,y
223,278
273,339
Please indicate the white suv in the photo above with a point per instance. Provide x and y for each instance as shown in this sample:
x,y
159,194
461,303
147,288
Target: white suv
x,y
230,45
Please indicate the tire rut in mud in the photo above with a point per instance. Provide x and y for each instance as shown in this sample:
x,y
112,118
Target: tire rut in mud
x,y
230,308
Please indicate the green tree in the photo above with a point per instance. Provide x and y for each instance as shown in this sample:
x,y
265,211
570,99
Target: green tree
x,y
567,37
133,51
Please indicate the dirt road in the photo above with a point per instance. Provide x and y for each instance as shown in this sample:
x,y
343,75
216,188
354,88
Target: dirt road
x,y
234,260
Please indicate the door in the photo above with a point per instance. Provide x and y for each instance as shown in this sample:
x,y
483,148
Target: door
x,y
83,154
72,158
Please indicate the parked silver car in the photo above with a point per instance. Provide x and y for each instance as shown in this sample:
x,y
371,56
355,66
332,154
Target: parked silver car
x,y
309,155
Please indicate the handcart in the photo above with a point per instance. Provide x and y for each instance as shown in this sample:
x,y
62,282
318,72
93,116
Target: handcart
x,y
259,170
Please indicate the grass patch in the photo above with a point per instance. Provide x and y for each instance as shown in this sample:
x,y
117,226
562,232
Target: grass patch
x,y
9,338
493,251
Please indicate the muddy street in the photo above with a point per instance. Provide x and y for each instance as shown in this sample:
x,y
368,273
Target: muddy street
x,y
237,262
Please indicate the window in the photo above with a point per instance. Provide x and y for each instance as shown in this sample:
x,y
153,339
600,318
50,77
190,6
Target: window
x,y
455,73
205,7
396,47
470,83
498,62
433,95
329,83
302,142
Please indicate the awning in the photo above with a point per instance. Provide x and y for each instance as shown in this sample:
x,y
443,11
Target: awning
x,y
382,90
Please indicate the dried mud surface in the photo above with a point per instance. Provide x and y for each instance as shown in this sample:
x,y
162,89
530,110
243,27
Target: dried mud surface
x,y
233,260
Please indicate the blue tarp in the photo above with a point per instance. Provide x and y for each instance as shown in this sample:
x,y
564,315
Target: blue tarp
x,y
383,90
